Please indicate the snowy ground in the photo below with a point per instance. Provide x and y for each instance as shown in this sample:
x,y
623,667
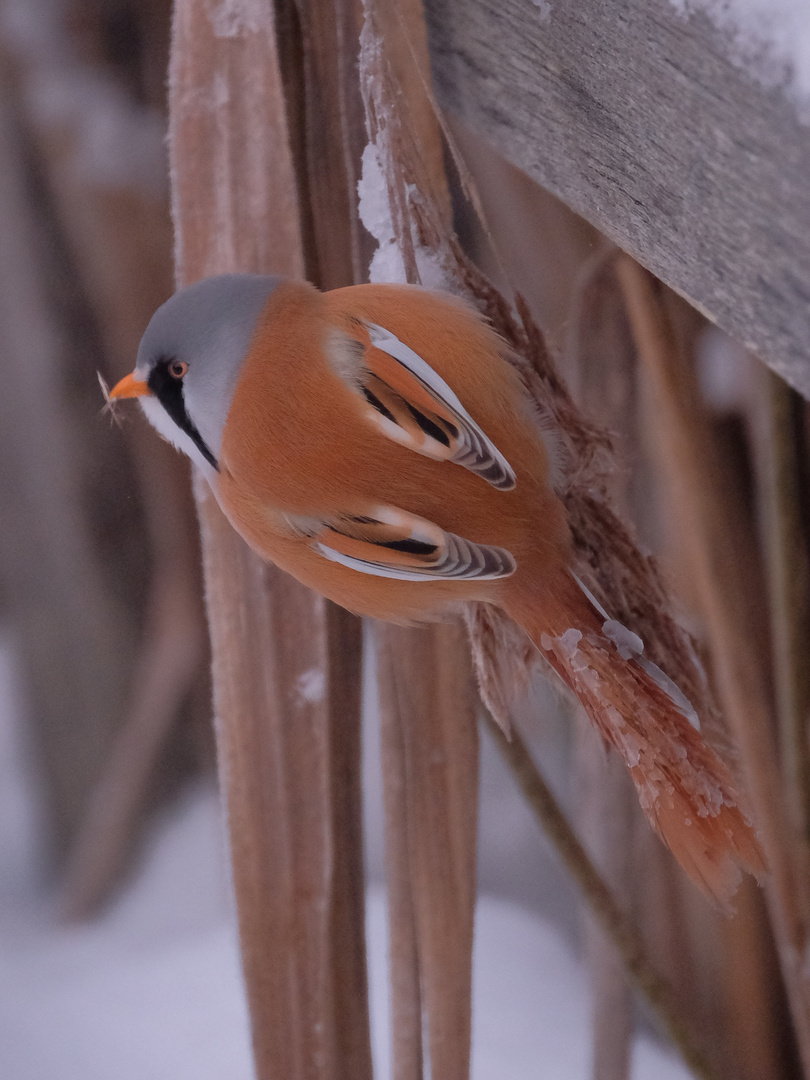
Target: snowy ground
x,y
152,989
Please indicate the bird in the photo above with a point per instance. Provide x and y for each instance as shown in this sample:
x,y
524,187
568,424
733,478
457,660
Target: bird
x,y
376,442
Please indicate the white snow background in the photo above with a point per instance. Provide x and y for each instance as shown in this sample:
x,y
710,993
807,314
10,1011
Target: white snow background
x,y
152,988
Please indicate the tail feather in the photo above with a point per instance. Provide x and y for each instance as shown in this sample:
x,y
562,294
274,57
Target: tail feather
x,y
686,791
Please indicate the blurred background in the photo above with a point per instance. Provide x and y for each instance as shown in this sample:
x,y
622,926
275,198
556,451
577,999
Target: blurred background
x,y
118,953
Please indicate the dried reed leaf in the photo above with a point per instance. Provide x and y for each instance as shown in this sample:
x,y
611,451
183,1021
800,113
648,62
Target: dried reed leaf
x,y
407,1048
169,660
625,581
113,223
430,741
286,663
619,927
417,233
426,686
786,547
709,528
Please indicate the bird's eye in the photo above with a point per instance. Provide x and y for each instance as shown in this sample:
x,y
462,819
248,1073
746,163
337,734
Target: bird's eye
x,y
178,368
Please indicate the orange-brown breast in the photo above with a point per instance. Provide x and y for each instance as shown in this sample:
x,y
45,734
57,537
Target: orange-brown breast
x,y
296,441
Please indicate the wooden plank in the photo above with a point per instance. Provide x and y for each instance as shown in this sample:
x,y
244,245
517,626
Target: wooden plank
x,y
636,118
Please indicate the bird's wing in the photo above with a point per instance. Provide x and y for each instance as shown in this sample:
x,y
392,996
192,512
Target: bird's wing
x,y
392,543
414,406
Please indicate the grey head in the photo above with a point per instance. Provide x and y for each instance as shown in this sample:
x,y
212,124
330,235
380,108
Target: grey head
x,y
190,357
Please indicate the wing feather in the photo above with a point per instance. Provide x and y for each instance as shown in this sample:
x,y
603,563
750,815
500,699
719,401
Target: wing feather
x,y
389,542
414,406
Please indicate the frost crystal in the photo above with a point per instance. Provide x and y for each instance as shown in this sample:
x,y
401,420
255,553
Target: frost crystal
x,y
569,643
375,213
598,607
628,644
671,689
231,18
311,686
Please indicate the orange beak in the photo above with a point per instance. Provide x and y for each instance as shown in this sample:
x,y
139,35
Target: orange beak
x,y
129,387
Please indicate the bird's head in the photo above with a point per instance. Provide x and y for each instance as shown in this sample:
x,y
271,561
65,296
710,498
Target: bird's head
x,y
190,357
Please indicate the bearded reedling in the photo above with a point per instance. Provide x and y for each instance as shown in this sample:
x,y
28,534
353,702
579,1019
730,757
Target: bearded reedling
x,y
376,443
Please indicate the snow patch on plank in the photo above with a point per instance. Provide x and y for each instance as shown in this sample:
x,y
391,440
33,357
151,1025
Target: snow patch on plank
x,y
769,39
543,9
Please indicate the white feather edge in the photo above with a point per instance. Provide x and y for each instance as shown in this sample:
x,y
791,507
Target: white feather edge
x,y
386,341
375,570
371,568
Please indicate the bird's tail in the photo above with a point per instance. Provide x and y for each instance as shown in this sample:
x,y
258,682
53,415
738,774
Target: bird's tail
x,y
686,791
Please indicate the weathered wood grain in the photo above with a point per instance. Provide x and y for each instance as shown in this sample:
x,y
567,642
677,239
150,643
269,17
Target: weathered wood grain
x,y
635,117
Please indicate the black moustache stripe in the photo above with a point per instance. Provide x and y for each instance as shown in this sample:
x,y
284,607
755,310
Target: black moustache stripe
x,y
169,392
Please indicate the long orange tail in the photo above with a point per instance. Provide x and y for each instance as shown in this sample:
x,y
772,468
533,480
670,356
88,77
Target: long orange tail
x,y
686,791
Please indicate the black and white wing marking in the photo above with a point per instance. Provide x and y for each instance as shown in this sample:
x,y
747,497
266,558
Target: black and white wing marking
x,y
392,543
414,406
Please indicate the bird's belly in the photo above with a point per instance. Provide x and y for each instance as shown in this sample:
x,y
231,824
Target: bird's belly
x,y
364,594
527,523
